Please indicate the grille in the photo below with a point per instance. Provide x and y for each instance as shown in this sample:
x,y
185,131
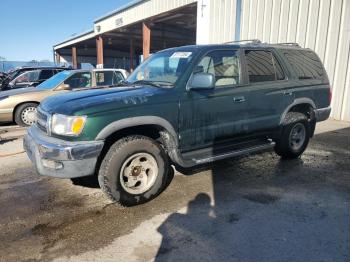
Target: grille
x,y
42,119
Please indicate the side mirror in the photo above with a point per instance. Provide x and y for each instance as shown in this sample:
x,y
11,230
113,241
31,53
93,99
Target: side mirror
x,y
202,81
63,87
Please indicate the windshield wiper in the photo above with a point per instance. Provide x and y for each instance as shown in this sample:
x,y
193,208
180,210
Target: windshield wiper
x,y
153,83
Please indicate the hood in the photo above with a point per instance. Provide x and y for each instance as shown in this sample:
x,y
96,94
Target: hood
x,y
18,91
95,100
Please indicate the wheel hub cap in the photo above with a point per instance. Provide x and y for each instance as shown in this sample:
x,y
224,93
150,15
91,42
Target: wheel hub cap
x,y
138,173
297,136
29,115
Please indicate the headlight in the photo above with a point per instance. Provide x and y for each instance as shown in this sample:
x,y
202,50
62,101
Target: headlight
x,y
67,125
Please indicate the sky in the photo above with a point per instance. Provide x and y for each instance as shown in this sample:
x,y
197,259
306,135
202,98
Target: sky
x,y
30,28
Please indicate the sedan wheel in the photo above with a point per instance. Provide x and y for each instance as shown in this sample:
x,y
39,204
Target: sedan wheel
x,y
28,115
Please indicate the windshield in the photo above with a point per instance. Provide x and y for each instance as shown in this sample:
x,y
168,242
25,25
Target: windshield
x,y
54,81
162,68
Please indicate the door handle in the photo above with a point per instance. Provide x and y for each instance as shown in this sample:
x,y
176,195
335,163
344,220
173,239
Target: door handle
x,y
288,93
238,99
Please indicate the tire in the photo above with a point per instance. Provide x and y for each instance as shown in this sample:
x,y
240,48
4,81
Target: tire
x,y
24,114
134,171
295,136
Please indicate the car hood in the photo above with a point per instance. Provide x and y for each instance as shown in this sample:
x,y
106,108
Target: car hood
x,y
17,91
96,100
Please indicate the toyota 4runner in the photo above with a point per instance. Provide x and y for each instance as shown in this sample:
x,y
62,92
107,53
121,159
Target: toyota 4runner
x,y
184,106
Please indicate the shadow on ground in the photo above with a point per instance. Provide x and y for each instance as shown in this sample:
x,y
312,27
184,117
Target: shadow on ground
x,y
269,210
254,208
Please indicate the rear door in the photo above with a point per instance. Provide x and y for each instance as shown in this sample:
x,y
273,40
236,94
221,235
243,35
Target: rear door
x,y
269,91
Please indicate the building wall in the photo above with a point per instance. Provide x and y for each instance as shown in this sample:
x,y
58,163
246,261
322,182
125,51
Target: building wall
x,y
139,12
322,25
216,21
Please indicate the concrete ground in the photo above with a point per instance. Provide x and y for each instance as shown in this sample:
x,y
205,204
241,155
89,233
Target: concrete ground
x,y
254,208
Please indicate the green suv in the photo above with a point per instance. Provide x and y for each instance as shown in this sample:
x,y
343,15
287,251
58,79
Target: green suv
x,y
185,106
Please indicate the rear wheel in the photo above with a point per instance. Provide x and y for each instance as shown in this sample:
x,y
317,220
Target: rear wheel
x,y
295,136
25,114
134,171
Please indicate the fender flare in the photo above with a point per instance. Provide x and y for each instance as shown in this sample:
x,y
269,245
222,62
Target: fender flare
x,y
136,121
297,101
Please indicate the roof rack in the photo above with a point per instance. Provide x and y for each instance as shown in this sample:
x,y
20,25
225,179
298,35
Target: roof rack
x,y
290,44
253,41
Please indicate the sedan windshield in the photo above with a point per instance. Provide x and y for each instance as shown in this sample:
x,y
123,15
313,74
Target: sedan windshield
x,y
54,81
162,69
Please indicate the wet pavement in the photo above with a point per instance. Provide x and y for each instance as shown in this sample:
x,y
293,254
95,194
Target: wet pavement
x,y
254,208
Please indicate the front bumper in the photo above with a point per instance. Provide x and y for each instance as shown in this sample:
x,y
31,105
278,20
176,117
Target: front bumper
x,y
58,158
322,114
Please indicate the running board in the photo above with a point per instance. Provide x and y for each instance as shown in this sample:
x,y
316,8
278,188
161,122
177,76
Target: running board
x,y
239,152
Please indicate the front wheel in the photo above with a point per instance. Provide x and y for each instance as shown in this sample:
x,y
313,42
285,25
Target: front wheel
x,y
295,136
134,171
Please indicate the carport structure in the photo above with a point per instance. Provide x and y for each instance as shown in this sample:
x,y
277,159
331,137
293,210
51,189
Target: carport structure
x,y
123,37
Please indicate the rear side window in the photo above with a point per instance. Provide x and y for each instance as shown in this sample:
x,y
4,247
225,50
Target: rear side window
x,y
46,74
305,63
79,80
108,78
262,66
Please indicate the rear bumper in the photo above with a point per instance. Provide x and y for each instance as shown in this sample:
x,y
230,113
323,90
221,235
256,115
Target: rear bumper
x,y
322,114
58,158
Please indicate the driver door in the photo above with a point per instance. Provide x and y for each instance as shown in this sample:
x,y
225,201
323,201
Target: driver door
x,y
210,116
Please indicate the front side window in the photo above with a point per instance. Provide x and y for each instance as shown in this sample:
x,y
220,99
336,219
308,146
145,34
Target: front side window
x,y
26,77
108,78
305,63
165,67
262,66
223,64
79,80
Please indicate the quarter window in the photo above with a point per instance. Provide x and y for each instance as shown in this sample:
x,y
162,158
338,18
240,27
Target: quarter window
x,y
306,64
263,66
223,64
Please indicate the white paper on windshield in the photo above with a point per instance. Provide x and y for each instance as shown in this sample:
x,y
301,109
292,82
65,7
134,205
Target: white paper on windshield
x,y
181,55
